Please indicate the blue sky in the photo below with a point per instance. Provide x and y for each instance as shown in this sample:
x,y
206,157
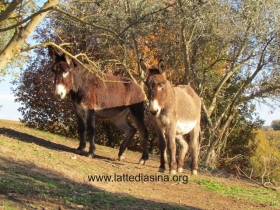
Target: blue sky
x,y
9,107
266,114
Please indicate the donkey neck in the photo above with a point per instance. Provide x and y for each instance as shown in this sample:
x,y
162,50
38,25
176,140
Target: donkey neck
x,y
106,92
169,103
83,79
170,93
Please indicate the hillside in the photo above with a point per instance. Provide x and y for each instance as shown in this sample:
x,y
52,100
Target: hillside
x,y
39,170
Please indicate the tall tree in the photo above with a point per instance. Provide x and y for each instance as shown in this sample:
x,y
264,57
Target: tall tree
x,y
227,50
231,51
24,24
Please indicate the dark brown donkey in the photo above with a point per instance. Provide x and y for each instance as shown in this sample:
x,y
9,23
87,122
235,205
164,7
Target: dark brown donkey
x,y
176,112
113,98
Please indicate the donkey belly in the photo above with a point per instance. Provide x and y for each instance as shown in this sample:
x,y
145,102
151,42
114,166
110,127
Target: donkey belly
x,y
185,127
111,113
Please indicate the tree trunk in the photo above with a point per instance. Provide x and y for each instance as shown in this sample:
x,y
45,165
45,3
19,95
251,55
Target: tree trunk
x,y
210,159
13,47
186,55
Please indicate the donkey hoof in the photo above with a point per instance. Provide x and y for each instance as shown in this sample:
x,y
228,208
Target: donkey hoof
x,y
180,170
161,170
79,152
142,162
173,172
90,154
121,158
194,172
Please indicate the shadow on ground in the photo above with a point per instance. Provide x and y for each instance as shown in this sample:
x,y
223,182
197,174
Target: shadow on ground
x,y
29,186
39,141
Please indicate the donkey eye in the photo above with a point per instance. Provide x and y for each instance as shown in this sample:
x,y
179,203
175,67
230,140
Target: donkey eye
x,y
160,86
65,74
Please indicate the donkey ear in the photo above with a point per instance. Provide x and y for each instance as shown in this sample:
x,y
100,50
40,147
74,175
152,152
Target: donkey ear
x,y
143,65
161,66
68,59
54,52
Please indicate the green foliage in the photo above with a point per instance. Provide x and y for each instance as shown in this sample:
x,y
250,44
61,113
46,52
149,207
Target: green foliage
x,y
6,35
275,124
239,144
266,160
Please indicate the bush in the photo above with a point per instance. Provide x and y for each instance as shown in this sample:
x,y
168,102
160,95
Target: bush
x,y
266,161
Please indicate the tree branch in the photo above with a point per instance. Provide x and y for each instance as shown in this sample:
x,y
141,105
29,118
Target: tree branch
x,y
261,93
234,68
26,19
92,67
9,10
13,47
56,8
143,17
87,23
241,172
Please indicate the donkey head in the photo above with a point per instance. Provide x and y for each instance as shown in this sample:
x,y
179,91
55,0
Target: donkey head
x,y
62,68
156,83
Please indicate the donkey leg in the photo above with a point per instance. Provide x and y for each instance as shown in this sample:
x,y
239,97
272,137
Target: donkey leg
x,y
163,152
170,138
162,148
183,152
194,144
129,130
90,132
137,116
81,116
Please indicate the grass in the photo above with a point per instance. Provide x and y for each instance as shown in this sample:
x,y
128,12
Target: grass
x,y
22,182
36,166
259,195
69,193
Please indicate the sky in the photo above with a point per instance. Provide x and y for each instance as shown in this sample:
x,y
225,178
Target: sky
x,y
9,107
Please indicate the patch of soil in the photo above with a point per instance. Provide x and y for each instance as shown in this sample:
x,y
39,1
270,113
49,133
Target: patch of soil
x,y
59,176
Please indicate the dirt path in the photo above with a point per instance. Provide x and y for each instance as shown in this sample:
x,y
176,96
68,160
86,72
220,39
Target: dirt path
x,y
39,170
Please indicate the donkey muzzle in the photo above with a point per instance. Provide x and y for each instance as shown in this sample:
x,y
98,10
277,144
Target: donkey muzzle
x,y
154,112
60,91
154,107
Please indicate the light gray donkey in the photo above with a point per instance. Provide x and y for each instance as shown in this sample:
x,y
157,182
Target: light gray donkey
x,y
175,112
